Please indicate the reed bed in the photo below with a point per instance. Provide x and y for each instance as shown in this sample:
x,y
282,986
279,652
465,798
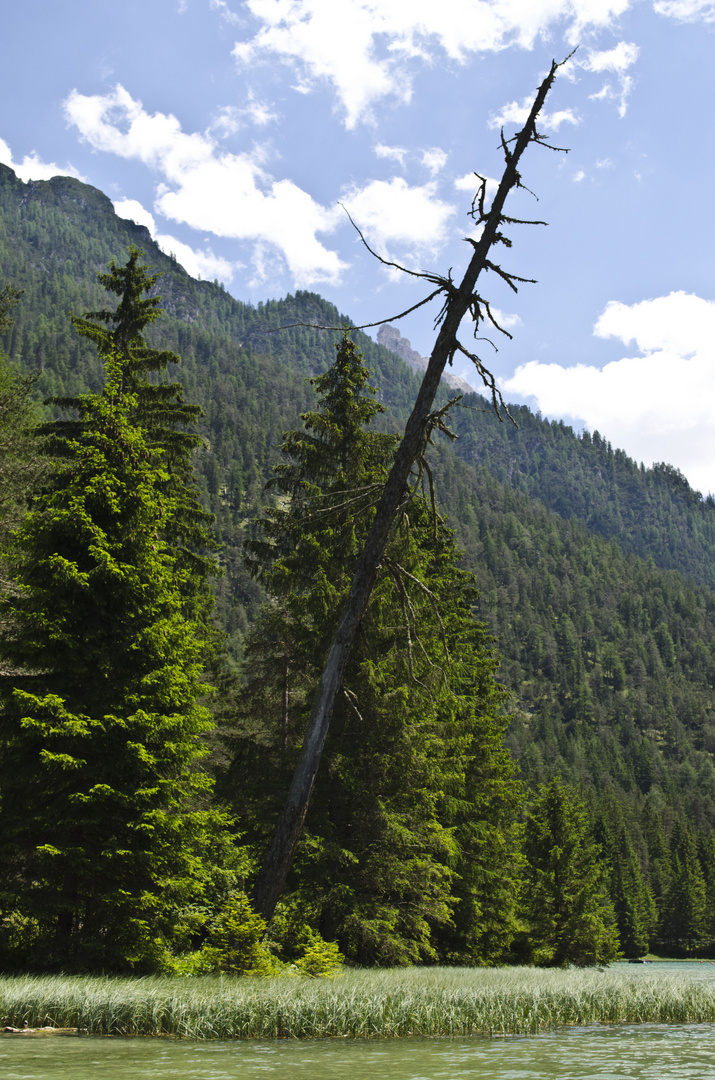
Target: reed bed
x,y
359,1004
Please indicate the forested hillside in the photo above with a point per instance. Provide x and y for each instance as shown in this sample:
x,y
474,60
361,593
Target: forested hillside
x,y
595,575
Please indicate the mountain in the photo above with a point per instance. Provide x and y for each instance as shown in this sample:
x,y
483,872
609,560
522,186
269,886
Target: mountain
x,y
596,574
391,338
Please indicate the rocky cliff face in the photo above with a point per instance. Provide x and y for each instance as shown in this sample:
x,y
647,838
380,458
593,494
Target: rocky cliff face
x,y
391,338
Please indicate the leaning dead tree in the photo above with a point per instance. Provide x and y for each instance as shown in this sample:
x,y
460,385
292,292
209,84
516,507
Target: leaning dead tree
x,y
458,301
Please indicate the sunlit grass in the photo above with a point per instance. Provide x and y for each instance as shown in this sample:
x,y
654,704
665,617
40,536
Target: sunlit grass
x,y
364,1004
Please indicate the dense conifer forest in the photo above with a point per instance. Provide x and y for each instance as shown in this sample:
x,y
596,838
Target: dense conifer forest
x,y
571,588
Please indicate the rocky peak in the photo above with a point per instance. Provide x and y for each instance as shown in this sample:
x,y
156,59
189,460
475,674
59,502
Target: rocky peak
x,y
391,338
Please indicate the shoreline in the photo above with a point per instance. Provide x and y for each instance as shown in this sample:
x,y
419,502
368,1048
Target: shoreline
x,y
372,1004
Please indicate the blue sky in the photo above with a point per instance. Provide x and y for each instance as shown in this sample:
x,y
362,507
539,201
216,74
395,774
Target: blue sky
x,y
235,128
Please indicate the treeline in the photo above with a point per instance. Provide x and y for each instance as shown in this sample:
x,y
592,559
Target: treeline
x,y
608,658
650,512
118,853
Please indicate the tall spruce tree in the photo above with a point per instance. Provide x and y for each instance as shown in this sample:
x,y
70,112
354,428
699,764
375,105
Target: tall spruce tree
x,y
684,910
159,409
570,919
410,848
632,900
103,808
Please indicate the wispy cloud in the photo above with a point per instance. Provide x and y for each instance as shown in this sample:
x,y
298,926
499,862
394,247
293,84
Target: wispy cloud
x,y
392,153
617,60
518,113
226,12
389,39
233,118
687,10
434,160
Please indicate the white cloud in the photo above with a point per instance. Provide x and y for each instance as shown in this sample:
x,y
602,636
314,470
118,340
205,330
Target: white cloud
x,y
579,176
658,406
617,60
470,182
680,322
226,13
504,318
434,160
515,113
392,214
133,210
386,38
198,264
232,118
31,168
687,10
229,195
392,153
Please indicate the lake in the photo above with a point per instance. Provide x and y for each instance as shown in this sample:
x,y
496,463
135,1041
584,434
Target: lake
x,y
596,1052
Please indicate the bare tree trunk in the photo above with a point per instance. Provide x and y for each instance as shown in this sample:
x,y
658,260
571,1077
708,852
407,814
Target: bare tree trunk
x,y
459,301
284,715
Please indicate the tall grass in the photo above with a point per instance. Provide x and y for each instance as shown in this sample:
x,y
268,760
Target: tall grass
x,y
364,1004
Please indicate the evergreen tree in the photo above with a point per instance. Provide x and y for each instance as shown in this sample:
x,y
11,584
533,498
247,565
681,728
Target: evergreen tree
x,y
706,855
660,871
20,459
570,919
158,408
103,815
632,901
683,918
414,806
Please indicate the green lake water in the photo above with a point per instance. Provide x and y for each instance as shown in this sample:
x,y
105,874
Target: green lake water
x,y
598,1052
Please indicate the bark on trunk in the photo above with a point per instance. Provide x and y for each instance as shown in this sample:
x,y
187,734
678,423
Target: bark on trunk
x,y
279,856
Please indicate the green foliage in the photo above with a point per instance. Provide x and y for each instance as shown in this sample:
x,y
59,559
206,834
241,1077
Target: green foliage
x,y
403,1002
570,920
235,941
416,790
9,299
321,959
632,899
611,660
104,813
20,460
650,512
158,408
685,902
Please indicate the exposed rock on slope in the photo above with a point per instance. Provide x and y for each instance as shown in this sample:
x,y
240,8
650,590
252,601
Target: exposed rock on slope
x,y
391,338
